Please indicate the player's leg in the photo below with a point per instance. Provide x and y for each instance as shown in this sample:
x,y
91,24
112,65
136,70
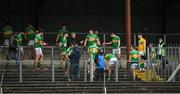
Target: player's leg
x,y
36,62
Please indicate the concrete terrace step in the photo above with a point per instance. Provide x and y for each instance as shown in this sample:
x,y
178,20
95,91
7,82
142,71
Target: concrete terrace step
x,y
91,87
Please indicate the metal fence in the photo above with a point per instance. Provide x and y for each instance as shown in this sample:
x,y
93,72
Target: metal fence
x,y
163,68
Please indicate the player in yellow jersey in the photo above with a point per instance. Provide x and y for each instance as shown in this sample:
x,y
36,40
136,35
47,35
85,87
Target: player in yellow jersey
x,y
142,51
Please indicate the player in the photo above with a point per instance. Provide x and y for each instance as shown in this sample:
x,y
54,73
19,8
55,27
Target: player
x,y
19,39
111,61
116,45
142,51
91,38
38,43
29,36
134,60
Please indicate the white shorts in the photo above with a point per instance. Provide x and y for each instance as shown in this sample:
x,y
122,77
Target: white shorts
x,y
134,66
38,50
31,42
116,51
112,61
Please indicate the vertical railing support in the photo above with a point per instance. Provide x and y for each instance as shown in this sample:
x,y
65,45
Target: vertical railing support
x,y
20,65
116,71
52,64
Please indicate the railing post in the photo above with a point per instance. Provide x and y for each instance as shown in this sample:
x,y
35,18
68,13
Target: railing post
x,y
20,65
147,65
116,71
52,64
134,39
91,68
85,66
165,37
104,40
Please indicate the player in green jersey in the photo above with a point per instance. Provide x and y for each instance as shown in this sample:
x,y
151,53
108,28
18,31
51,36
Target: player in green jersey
x,y
91,38
115,45
134,60
29,36
111,61
8,32
19,39
38,43
59,39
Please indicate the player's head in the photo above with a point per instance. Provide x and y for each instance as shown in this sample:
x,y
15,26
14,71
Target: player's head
x,y
101,51
91,31
160,40
38,32
112,34
65,34
96,32
151,45
73,35
63,26
22,33
139,36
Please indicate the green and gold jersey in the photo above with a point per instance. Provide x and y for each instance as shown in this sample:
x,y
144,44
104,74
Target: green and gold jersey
x,y
19,39
109,56
91,39
115,40
37,44
30,32
8,31
134,56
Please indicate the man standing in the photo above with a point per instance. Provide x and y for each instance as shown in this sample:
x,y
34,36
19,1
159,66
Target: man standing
x,y
38,43
74,59
115,44
142,51
100,65
29,36
13,51
59,38
8,32
19,38
161,52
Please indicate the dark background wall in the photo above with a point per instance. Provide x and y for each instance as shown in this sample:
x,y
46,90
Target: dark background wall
x,y
149,16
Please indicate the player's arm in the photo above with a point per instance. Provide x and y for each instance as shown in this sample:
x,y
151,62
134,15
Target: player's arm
x,y
57,38
67,57
85,42
98,41
144,45
25,35
108,43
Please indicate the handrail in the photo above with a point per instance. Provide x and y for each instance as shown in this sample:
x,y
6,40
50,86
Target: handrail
x,y
1,90
109,33
1,80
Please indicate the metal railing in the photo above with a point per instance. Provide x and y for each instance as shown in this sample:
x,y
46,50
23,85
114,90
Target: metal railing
x,y
164,72
1,89
50,37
